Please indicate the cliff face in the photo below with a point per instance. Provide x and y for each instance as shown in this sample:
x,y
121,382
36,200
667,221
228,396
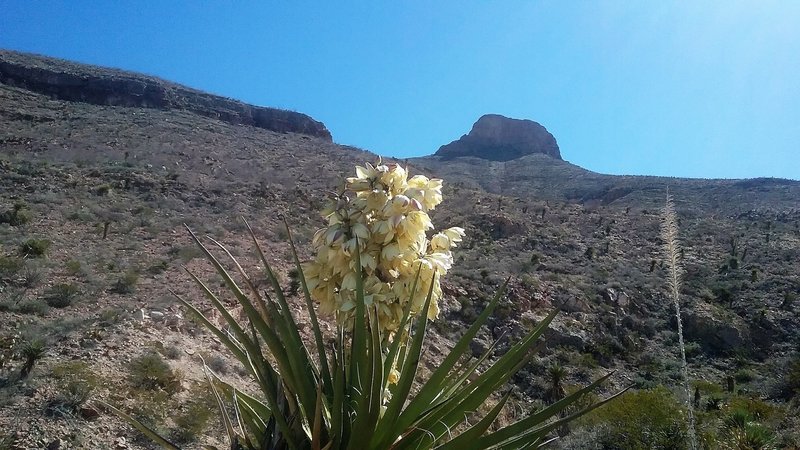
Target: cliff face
x,y
100,86
498,138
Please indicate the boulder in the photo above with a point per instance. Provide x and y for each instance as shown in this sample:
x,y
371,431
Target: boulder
x,y
718,332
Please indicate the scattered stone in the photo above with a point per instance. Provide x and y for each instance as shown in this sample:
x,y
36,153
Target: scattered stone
x,y
89,413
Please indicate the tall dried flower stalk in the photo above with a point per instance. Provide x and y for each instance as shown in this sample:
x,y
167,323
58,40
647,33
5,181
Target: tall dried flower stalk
x,y
672,251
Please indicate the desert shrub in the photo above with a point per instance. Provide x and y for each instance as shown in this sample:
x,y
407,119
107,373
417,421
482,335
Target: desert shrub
x,y
693,349
149,371
61,295
793,377
744,432
126,283
110,316
36,306
102,190
10,266
185,253
31,275
81,214
756,408
195,415
645,419
35,248
74,370
294,282
707,387
216,363
789,299
158,267
172,351
744,375
69,399
724,295
32,350
17,215
73,267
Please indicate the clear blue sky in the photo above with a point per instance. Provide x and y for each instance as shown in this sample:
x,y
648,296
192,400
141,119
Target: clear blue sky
x,y
679,88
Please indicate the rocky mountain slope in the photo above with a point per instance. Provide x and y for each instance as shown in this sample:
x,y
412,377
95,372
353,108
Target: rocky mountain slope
x,y
100,86
108,185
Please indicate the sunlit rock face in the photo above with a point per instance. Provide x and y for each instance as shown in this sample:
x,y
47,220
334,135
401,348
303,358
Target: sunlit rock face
x,y
498,138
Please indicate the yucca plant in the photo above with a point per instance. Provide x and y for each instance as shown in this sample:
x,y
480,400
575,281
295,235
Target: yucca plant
x,y
363,391
32,351
672,252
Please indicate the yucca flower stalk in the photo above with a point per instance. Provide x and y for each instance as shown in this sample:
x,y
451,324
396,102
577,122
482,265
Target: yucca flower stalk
x,y
357,394
672,252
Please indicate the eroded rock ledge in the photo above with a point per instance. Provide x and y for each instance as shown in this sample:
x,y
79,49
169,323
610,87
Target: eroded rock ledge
x,y
69,81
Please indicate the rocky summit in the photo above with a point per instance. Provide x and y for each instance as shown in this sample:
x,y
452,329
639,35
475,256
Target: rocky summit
x,y
498,138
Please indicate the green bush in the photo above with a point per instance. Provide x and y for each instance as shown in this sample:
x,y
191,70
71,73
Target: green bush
x,y
793,377
102,190
35,248
110,316
16,216
32,351
31,275
744,375
10,266
126,284
158,267
646,419
69,400
36,307
744,432
73,267
150,371
693,349
707,387
61,295
195,415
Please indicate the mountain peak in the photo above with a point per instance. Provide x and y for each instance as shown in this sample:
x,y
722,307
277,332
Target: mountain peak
x,y
499,138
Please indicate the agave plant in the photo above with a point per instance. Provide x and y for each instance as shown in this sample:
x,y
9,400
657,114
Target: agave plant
x,y
364,391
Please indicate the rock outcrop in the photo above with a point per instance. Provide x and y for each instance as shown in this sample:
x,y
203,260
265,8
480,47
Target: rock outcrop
x,y
716,333
498,138
69,81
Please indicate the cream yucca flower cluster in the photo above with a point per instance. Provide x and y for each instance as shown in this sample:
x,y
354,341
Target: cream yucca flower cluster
x,y
387,217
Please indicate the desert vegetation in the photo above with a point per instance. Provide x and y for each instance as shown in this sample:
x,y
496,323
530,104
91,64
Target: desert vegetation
x,y
98,203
